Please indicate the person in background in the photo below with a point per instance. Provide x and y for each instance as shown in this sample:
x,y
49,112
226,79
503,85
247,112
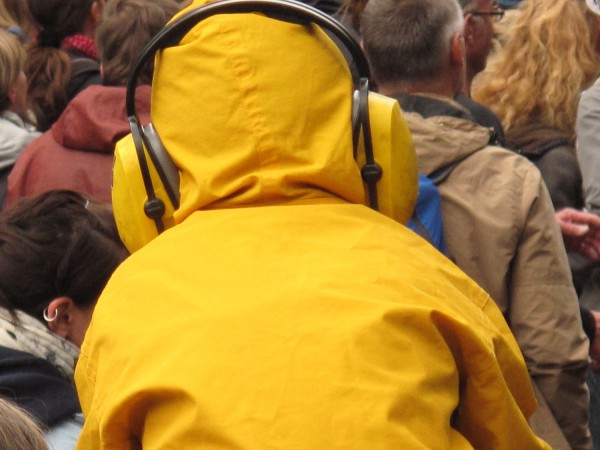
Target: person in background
x,y
57,252
534,82
63,59
8,23
77,152
15,18
587,126
499,223
480,17
15,130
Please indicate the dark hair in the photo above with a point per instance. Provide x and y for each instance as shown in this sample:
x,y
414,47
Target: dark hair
x,y
56,244
62,17
123,32
47,66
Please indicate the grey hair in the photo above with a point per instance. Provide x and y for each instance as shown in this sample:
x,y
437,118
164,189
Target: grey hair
x,y
408,40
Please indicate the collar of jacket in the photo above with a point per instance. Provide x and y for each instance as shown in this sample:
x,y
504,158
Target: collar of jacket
x,y
534,140
441,139
430,105
17,120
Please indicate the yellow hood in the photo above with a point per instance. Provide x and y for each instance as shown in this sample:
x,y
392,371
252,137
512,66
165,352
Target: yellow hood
x,y
263,117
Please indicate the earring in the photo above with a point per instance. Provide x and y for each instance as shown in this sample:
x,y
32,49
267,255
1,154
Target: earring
x,y
47,318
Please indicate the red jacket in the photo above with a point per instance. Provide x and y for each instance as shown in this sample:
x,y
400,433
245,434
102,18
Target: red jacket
x,y
77,152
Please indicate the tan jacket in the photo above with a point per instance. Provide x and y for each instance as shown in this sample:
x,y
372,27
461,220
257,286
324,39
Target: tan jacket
x,y
501,230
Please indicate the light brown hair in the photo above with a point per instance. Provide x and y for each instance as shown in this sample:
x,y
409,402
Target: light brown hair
x,y
16,12
12,58
18,431
539,73
123,32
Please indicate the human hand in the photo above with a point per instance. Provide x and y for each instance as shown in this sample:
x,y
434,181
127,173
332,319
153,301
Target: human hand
x,y
580,231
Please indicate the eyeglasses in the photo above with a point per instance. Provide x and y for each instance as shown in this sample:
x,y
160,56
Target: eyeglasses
x,y
496,13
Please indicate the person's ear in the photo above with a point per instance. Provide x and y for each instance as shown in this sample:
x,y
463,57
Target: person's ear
x,y
470,31
457,51
59,316
97,10
12,95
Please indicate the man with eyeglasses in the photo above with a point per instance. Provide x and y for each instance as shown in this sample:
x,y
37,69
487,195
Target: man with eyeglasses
x,y
479,16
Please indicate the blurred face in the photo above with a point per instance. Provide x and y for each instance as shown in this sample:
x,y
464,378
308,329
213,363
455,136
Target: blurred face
x,y
18,95
480,34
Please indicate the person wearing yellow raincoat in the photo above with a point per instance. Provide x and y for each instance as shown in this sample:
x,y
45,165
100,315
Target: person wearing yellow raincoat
x,y
280,311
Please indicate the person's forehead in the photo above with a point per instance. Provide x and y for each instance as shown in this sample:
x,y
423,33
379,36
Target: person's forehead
x,y
470,5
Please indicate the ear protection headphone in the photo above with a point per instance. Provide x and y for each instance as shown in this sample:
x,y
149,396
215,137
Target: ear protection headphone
x,y
160,176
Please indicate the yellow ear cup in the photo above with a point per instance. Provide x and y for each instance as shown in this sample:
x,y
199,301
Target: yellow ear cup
x,y
394,151
392,148
129,196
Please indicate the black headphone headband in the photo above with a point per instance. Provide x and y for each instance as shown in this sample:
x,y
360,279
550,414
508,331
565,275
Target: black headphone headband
x,y
286,10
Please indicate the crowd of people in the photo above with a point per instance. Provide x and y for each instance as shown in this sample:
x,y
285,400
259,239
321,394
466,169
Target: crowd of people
x,y
199,225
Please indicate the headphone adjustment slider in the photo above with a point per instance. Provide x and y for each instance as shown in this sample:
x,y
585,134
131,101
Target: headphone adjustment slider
x,y
154,208
371,173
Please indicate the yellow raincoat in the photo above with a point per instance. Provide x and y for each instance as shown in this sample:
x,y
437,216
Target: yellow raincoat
x,y
281,313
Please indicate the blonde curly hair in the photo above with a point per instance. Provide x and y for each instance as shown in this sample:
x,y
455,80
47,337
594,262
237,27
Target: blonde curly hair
x,y
547,59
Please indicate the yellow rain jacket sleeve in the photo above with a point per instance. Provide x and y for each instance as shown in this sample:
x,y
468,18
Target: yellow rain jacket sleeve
x,y
280,312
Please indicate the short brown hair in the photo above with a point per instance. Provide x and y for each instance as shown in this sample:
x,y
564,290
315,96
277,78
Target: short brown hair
x,y
123,32
12,59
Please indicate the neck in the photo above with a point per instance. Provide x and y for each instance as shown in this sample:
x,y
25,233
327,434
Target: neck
x,y
439,86
469,81
89,27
